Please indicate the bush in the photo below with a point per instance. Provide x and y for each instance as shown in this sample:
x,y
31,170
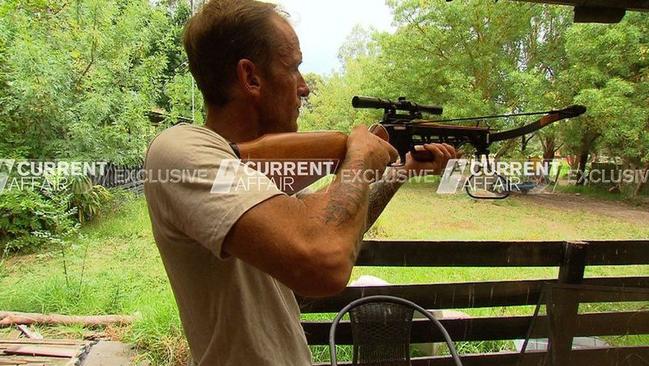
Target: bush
x,y
30,219
86,198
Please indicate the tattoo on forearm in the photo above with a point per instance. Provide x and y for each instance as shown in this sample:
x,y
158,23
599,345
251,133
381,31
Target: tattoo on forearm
x,y
346,201
381,193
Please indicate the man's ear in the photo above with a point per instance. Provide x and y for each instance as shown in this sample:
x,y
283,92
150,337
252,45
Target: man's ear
x,y
248,78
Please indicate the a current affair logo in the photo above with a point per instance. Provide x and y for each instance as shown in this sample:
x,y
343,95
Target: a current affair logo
x,y
264,175
484,179
44,175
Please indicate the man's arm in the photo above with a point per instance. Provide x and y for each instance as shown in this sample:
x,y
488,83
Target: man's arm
x,y
381,192
310,244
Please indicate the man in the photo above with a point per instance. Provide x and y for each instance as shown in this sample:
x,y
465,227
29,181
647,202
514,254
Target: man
x,y
234,259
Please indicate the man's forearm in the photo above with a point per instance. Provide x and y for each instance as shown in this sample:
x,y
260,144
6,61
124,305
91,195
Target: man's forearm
x,y
350,199
344,208
381,192
346,198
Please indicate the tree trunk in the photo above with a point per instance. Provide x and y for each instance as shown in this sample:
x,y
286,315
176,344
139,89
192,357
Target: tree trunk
x,y
581,169
548,150
548,156
641,182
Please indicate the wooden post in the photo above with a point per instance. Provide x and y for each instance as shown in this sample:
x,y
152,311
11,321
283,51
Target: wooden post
x,y
563,304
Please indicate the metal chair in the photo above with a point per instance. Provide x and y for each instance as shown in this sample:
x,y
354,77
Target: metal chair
x,y
381,331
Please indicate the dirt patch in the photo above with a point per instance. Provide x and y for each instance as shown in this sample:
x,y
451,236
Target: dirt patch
x,y
571,202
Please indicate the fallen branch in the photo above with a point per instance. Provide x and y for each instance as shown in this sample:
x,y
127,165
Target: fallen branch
x,y
11,318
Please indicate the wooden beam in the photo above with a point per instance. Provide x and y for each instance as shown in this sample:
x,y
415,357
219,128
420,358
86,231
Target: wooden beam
x,y
496,328
460,253
481,294
638,5
617,252
563,304
618,356
14,318
399,253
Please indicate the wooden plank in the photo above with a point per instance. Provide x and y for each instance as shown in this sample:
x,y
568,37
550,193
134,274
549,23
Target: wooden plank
x,y
563,304
638,5
460,253
617,252
34,361
44,341
497,328
4,347
42,351
496,253
479,294
614,356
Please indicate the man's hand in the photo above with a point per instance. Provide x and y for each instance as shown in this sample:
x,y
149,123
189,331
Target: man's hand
x,y
441,154
373,151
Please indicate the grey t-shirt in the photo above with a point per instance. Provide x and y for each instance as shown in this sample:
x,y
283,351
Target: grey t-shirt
x,y
233,314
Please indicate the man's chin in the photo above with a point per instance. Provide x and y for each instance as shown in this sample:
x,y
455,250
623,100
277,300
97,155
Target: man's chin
x,y
284,128
293,126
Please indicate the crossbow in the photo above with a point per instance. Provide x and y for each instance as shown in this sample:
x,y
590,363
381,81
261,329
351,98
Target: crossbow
x,y
404,123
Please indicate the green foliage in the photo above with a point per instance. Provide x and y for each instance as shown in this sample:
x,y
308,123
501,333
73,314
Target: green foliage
x,y
472,57
76,79
178,93
87,199
477,58
29,219
611,67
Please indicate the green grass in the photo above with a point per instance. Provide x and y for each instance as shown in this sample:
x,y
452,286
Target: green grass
x,y
114,267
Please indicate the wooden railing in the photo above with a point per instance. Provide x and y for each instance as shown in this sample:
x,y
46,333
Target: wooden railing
x,y
562,297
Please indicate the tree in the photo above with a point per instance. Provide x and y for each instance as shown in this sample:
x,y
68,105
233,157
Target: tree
x,y
611,70
474,58
78,77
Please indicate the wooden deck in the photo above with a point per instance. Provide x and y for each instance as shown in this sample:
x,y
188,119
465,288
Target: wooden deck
x,y
64,352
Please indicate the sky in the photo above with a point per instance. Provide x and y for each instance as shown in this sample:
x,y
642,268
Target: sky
x,y
323,26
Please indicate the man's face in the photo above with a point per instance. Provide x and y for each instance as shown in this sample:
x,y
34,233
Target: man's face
x,y
284,85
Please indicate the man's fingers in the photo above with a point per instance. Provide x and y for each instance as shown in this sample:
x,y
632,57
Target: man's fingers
x,y
380,131
451,150
448,150
438,151
394,154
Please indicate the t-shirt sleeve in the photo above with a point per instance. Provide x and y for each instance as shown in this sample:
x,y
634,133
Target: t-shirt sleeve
x,y
205,188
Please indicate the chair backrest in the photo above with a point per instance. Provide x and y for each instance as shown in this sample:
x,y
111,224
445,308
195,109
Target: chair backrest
x,y
381,331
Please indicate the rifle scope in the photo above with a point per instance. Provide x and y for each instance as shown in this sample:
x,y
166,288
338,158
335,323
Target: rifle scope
x,y
402,105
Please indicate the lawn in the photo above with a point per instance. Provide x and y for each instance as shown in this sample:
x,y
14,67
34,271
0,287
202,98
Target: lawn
x,y
114,267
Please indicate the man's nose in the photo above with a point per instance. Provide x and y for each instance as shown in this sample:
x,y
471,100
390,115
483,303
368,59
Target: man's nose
x,y
303,89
